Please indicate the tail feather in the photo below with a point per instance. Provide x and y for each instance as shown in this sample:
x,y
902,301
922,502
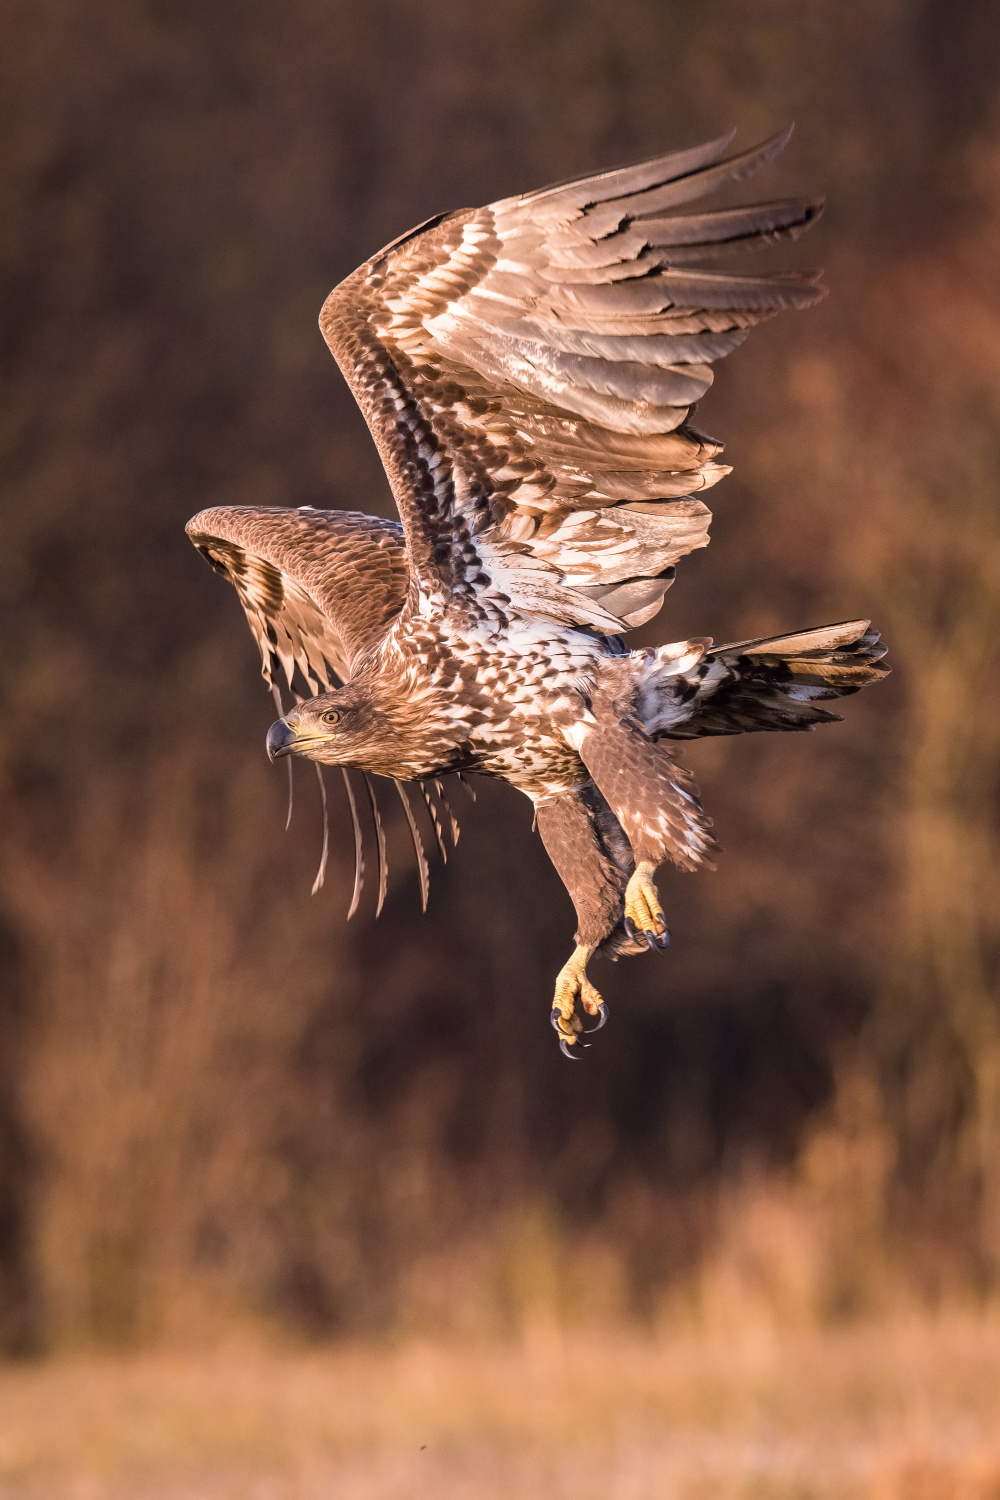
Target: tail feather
x,y
774,683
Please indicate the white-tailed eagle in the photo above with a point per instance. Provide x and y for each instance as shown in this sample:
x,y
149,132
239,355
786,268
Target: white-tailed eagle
x,y
527,371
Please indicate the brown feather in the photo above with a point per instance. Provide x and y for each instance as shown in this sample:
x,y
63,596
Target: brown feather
x,y
507,358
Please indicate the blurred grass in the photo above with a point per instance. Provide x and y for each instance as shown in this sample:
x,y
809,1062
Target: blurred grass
x,y
901,1410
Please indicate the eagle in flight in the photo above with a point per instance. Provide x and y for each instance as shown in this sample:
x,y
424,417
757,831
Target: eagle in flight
x,y
528,371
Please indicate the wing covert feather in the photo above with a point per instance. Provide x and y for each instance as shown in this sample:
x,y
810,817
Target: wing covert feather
x,y
319,587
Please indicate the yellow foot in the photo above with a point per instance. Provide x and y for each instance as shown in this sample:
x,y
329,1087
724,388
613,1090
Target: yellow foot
x,y
643,913
572,985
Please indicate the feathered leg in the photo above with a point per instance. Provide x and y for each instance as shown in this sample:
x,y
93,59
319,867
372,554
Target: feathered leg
x,y
654,799
593,859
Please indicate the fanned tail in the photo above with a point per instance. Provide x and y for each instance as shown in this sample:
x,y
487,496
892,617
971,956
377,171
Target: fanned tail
x,y
774,683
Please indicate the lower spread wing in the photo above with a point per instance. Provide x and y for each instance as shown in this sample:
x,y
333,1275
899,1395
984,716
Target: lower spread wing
x,y
527,371
318,586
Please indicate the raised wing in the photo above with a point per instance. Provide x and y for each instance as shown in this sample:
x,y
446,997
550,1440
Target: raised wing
x,y
318,586
527,370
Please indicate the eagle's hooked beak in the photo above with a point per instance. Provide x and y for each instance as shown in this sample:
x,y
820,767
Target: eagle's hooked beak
x,y
280,740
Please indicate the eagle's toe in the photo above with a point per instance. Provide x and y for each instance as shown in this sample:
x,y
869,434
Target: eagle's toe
x,y
574,992
602,1020
644,917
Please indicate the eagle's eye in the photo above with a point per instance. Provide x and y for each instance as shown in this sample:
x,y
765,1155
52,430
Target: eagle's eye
x,y
331,716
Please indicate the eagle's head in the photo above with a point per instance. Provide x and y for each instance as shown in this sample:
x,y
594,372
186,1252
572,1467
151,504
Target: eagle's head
x,y
351,726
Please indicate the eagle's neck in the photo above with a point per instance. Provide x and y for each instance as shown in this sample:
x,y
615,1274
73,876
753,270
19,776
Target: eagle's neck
x,y
412,727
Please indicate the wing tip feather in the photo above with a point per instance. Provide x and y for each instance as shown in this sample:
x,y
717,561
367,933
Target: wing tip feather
x,y
703,154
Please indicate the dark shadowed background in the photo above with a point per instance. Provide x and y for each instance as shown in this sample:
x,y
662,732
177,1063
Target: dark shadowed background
x,y
219,1103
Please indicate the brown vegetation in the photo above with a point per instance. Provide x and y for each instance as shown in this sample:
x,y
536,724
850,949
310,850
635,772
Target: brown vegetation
x,y
910,1412
220,1106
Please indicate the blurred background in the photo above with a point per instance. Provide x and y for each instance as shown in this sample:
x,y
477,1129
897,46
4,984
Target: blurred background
x,y
221,1107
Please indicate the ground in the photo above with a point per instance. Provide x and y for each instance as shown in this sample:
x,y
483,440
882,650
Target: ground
x,y
902,1411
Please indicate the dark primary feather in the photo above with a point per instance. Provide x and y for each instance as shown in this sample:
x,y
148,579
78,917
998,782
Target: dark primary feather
x,y
383,864
359,857
436,823
423,869
324,852
452,820
528,370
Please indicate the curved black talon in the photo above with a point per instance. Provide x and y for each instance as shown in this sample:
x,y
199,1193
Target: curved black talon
x,y
602,1018
629,929
664,940
564,1048
555,1016
651,942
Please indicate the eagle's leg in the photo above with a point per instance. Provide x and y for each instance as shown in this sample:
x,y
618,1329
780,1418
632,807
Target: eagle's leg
x,y
643,912
653,798
579,835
